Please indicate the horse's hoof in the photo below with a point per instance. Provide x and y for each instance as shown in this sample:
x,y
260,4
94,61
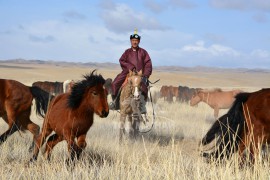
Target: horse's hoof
x,y
33,159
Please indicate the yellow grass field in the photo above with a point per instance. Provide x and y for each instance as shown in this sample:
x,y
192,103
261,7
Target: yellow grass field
x,y
169,151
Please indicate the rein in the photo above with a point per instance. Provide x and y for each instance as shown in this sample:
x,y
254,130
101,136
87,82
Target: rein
x,y
154,114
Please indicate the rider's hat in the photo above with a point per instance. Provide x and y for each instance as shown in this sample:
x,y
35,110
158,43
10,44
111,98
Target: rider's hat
x,y
135,35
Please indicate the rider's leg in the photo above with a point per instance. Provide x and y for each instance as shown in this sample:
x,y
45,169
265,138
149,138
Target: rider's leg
x,y
143,107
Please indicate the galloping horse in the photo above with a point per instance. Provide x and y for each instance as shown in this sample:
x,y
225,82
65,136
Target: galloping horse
x,y
70,115
129,104
246,125
15,107
216,99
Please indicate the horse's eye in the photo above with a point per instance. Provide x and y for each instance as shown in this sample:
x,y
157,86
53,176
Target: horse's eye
x,y
94,93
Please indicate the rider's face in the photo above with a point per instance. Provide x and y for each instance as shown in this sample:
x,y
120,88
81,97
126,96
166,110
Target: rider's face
x,y
134,43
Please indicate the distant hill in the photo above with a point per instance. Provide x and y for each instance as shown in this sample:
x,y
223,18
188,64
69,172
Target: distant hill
x,y
110,65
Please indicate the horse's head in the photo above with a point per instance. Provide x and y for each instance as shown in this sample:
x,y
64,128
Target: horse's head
x,y
97,98
108,85
134,80
90,95
195,99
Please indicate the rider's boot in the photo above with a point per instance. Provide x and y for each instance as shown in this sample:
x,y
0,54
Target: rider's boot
x,y
115,104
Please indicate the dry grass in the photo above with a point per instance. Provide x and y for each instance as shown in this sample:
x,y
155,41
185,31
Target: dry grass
x,y
169,151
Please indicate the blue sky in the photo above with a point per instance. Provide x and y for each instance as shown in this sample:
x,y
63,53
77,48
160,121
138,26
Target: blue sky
x,y
218,33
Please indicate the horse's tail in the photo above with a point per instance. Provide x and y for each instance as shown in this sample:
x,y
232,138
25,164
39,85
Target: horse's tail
x,y
42,99
228,130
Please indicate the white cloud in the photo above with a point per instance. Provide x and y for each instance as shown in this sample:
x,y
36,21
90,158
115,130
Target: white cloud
x,y
213,50
261,53
120,18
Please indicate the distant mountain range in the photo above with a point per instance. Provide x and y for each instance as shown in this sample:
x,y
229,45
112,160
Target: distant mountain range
x,y
110,65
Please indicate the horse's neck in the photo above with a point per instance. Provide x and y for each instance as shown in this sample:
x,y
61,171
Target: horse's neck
x,y
205,97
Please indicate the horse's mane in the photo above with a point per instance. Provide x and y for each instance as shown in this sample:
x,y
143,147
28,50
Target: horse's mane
x,y
79,88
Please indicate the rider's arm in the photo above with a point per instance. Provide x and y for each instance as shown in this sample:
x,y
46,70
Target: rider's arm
x,y
147,66
124,63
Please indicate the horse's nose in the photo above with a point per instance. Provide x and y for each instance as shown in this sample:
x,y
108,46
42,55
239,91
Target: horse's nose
x,y
104,113
137,97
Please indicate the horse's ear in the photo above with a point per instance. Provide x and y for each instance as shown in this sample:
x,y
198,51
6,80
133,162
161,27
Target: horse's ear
x,y
130,73
140,73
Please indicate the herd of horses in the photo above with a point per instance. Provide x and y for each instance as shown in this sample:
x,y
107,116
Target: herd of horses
x,y
216,98
181,93
69,113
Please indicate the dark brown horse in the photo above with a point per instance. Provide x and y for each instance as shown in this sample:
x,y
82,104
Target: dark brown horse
x,y
70,115
168,92
108,85
185,93
53,88
15,106
245,126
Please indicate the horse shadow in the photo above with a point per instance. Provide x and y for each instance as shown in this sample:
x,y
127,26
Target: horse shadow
x,y
163,139
96,158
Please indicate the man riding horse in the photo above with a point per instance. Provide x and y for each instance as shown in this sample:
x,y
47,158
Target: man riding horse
x,y
134,58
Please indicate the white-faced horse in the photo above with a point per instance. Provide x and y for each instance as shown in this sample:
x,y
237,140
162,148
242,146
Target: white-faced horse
x,y
130,98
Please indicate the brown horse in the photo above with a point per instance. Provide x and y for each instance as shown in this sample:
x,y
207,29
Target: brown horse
x,y
164,90
53,88
129,104
168,92
70,115
216,99
15,107
246,125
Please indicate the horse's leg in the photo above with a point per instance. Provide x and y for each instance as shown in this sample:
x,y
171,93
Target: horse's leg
x,y
8,133
51,142
81,144
135,125
46,131
34,129
10,118
131,128
26,123
122,126
72,148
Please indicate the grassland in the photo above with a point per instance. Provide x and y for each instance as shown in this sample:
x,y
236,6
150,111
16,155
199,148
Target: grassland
x,y
169,151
